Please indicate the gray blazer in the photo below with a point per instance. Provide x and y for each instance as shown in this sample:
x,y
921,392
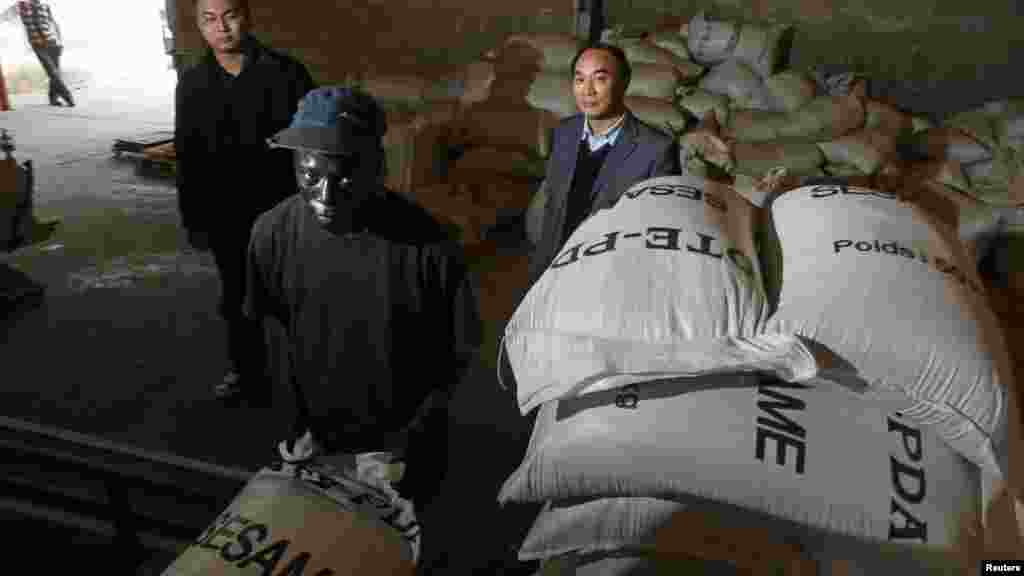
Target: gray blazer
x,y
641,152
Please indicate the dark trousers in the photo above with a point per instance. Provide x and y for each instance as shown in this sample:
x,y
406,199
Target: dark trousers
x,y
426,462
49,57
247,347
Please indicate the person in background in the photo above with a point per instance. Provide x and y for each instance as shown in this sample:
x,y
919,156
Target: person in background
x,y
241,93
45,38
379,308
596,155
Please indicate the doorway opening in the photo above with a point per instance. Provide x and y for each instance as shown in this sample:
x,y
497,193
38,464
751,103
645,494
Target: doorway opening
x,y
114,53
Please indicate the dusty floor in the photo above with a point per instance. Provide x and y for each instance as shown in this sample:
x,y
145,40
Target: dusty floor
x,y
127,344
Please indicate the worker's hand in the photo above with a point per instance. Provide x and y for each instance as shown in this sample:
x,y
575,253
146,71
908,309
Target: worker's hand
x,y
199,240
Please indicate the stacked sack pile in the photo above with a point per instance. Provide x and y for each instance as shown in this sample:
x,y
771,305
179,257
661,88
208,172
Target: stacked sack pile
x,y
661,65
756,115
677,406
976,159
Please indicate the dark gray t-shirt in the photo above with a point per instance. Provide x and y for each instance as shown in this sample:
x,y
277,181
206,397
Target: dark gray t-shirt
x,y
375,321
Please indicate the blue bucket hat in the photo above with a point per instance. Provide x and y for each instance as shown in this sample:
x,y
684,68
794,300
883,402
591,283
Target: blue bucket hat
x,y
334,120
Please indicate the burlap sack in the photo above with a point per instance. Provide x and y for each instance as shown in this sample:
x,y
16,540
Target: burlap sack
x,y
791,90
554,51
705,142
867,150
745,89
825,118
921,123
947,172
946,142
659,114
886,118
654,81
672,41
552,91
758,158
699,102
755,125
643,51
1000,180
760,47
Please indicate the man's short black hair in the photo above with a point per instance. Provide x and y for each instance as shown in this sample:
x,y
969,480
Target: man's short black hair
x,y
625,71
241,5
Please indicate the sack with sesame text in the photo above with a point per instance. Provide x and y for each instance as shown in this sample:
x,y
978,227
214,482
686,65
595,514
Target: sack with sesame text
x,y
890,289
787,451
666,282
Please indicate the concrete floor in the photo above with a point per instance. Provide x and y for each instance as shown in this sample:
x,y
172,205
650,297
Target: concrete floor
x,y
127,343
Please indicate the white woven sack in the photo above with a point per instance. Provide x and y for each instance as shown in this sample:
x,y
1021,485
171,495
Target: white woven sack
x,y
891,290
627,526
813,454
665,282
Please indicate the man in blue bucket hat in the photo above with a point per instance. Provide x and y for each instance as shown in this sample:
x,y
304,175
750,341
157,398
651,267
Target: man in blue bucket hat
x,y
377,303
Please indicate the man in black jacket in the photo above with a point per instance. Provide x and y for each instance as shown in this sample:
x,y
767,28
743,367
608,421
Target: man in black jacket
x,y
226,107
379,306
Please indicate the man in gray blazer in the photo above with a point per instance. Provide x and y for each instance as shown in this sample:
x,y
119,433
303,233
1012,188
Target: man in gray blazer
x,y
596,155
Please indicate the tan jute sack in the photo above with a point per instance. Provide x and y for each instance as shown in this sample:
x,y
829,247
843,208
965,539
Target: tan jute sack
x,y
287,525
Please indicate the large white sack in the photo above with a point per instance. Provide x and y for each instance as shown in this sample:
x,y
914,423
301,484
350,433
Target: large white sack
x,y
813,454
630,526
665,282
890,289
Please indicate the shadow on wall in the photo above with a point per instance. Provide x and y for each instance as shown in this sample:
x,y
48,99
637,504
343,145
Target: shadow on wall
x,y
500,120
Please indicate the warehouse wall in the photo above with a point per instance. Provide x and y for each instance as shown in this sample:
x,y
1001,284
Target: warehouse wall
x,y
935,54
388,36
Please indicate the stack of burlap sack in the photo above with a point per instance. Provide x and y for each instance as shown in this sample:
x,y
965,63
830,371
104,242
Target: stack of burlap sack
x,y
977,156
756,116
468,147
660,63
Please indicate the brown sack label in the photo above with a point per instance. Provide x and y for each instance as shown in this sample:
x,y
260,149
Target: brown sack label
x,y
284,525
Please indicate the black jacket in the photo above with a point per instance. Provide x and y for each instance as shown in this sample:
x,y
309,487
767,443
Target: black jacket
x,y
226,174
